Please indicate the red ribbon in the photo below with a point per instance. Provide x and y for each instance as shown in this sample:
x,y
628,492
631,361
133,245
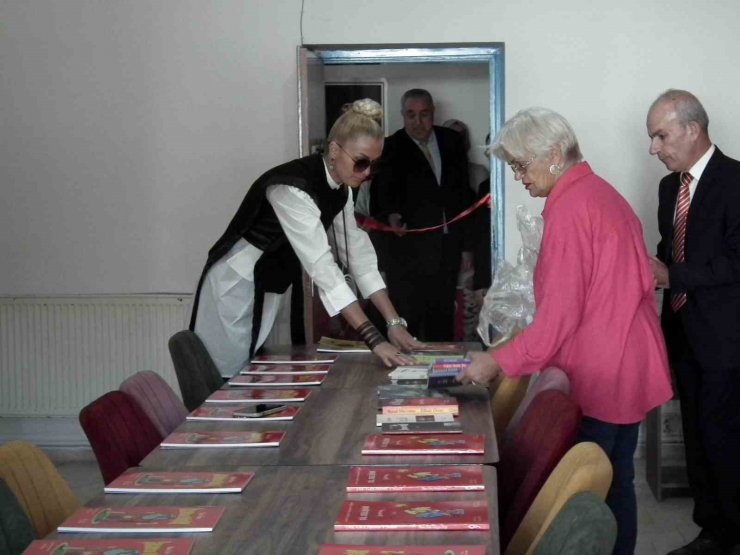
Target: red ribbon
x,y
371,224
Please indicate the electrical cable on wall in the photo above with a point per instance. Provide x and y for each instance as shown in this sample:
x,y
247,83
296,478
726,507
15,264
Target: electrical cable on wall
x,y
303,2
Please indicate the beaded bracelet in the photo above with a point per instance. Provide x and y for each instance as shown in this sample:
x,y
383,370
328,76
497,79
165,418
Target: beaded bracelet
x,y
370,335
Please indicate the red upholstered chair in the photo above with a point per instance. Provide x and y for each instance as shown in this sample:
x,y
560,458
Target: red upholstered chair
x,y
162,405
120,432
547,430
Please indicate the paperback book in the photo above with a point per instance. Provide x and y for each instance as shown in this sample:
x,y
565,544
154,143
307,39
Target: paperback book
x,y
114,546
217,412
444,372
336,549
139,520
403,373
332,345
419,515
369,479
453,427
441,348
423,444
277,380
222,439
396,391
295,359
420,405
287,369
180,482
429,359
381,419
258,395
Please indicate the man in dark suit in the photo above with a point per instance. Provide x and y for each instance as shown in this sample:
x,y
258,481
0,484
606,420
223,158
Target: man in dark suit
x,y
423,182
698,264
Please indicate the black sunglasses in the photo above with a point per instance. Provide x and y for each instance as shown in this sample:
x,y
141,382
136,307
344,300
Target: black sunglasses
x,y
362,164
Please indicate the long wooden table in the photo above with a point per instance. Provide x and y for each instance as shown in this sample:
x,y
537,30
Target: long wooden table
x,y
288,510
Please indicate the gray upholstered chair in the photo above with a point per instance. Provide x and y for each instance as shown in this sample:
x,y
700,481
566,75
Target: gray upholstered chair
x,y
196,372
16,531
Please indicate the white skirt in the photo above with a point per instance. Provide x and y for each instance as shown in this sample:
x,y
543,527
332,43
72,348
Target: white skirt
x,y
226,306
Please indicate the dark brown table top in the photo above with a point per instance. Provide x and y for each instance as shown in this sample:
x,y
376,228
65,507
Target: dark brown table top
x,y
289,510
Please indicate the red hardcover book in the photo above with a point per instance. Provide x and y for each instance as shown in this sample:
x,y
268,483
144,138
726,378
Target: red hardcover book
x,y
217,412
420,405
120,546
336,549
138,520
222,439
258,395
424,444
416,515
295,359
287,369
277,380
180,482
415,478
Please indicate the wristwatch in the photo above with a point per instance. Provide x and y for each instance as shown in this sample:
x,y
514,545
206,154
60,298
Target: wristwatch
x,y
396,322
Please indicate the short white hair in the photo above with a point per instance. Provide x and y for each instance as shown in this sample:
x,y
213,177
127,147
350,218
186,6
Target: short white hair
x,y
535,132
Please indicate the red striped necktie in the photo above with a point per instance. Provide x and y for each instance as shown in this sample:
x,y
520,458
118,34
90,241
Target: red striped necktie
x,y
679,233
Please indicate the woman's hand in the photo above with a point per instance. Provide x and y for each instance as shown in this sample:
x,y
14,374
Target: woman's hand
x,y
391,356
401,339
482,370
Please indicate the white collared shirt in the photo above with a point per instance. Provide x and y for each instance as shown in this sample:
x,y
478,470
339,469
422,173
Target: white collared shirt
x,y
698,168
434,151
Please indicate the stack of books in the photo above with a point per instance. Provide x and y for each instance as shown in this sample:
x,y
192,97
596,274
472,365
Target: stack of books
x,y
444,371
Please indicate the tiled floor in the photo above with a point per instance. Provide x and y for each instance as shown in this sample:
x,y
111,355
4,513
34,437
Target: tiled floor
x,y
663,526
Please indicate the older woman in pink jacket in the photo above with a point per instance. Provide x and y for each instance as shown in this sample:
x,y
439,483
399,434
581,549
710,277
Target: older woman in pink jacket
x,y
596,315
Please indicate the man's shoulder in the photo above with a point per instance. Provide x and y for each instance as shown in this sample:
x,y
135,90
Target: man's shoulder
x,y
720,162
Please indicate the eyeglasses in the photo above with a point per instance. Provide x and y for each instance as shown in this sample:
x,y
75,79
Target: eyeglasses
x,y
520,167
362,164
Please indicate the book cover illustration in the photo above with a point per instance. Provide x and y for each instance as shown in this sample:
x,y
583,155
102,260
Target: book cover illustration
x,y
418,515
368,479
429,359
423,444
295,359
257,395
288,369
453,427
180,482
419,372
117,546
396,391
444,372
277,380
223,439
143,519
420,405
217,412
381,419
336,549
333,345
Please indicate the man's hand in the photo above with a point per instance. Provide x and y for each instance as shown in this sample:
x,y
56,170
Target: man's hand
x,y
394,220
660,273
467,261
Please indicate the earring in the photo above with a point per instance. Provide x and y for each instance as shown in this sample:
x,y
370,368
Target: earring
x,y
555,169
331,165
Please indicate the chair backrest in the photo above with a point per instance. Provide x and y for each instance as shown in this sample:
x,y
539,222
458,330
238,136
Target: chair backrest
x,y
120,432
505,400
585,467
549,378
16,531
37,485
584,526
196,372
162,405
547,431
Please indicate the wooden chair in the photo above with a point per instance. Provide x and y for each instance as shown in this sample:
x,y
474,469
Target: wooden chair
x,y
120,433
37,485
505,399
585,467
196,372
16,530
162,405
549,378
548,429
584,526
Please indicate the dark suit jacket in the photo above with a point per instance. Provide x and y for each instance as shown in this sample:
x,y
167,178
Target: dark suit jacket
x,y
406,185
710,274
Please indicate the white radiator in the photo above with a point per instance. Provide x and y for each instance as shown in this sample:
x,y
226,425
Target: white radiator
x,y
59,353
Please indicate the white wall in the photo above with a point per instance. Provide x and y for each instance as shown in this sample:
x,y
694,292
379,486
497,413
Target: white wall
x,y
130,129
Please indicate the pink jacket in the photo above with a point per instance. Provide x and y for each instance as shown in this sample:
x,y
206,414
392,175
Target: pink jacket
x,y
596,314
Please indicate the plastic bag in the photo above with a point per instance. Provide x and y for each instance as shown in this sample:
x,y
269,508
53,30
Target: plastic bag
x,y
508,306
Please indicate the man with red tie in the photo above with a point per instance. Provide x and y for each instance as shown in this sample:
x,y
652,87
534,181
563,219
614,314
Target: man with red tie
x,y
698,264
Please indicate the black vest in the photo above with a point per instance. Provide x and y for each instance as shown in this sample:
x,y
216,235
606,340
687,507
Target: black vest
x,y
256,222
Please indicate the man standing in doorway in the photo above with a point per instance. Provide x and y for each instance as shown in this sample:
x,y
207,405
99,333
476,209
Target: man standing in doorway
x,y
423,182
698,264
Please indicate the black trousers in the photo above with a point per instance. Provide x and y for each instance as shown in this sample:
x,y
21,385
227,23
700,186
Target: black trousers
x,y
710,412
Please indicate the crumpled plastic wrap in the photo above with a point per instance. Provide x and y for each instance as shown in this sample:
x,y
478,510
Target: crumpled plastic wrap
x,y
508,306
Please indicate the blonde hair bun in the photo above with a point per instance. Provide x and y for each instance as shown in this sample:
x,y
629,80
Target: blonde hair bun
x,y
367,107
